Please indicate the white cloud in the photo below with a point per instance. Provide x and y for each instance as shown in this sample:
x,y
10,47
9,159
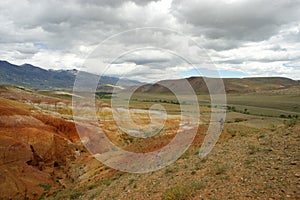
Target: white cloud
x,y
256,37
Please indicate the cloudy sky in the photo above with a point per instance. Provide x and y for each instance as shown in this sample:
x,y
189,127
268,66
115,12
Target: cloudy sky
x,y
241,37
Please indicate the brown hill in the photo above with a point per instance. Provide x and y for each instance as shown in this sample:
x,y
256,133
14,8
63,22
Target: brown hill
x,y
232,85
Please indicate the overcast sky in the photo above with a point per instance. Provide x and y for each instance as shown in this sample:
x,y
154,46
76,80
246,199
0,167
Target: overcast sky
x,y
241,37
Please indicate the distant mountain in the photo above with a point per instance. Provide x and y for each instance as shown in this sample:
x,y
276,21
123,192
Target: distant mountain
x,y
35,77
232,85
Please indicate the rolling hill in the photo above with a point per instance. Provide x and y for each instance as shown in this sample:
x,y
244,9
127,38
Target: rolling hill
x,y
232,85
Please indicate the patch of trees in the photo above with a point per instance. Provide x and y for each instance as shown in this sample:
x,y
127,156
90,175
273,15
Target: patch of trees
x,y
289,116
104,95
233,109
160,101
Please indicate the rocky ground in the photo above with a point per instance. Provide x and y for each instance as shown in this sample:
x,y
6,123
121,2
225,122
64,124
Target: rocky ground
x,y
43,158
253,165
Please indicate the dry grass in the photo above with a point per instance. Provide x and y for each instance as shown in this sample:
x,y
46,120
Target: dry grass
x,y
9,108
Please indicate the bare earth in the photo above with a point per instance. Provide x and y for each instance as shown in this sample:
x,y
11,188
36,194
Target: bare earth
x,y
43,158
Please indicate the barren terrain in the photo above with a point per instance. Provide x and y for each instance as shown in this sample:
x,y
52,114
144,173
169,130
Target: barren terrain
x,y
256,157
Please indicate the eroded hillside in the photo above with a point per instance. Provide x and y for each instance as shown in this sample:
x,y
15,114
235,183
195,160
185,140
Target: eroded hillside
x,y
42,157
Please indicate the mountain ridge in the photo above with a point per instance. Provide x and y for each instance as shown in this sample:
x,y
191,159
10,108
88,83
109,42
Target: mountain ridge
x,y
28,75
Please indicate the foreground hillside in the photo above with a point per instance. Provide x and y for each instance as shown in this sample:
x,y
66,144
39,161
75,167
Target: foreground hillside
x,y
245,164
256,157
36,147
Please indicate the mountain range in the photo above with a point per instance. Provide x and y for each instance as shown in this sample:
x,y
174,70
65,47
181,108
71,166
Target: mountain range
x,y
37,78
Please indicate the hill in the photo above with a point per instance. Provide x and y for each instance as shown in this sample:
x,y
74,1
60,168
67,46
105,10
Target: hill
x,y
232,85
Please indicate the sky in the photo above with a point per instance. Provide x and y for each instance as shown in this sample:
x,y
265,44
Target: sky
x,y
240,38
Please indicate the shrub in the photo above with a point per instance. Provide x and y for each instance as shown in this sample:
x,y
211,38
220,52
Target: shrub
x,y
130,181
220,169
106,182
92,186
231,132
239,119
182,192
76,195
178,192
252,149
93,196
168,170
290,123
45,187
